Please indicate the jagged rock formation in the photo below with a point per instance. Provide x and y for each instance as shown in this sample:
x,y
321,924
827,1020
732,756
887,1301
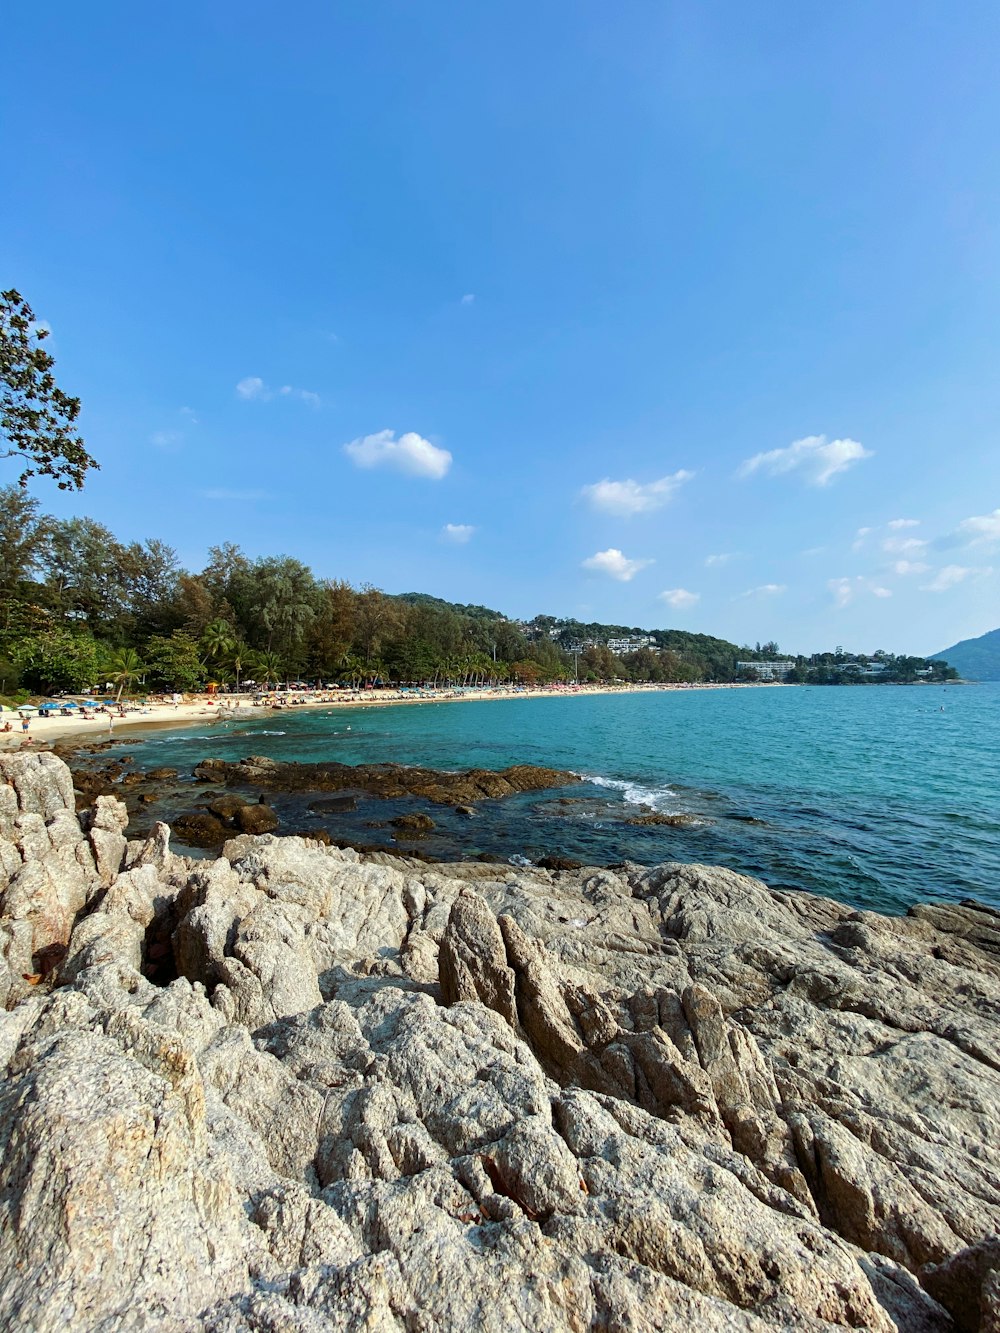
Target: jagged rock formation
x,y
291,1089
387,780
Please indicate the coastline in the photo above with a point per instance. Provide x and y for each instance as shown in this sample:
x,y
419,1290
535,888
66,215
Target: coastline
x,y
638,1060
73,731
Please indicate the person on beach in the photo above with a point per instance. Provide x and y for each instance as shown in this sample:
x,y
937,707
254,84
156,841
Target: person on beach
x,y
25,724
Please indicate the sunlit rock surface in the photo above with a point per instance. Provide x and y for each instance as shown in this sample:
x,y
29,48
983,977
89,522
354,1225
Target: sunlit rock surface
x,y
295,1089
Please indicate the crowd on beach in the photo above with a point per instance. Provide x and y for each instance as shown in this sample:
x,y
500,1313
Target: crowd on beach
x,y
84,719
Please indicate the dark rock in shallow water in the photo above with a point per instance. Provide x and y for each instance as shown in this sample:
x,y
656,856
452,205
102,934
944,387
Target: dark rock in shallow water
x,y
200,830
225,807
256,819
559,863
466,811
413,823
334,805
386,780
670,821
313,834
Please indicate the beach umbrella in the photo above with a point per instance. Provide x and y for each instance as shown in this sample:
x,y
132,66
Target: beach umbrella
x,y
25,709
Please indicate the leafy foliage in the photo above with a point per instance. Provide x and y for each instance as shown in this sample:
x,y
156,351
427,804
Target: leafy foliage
x,y
78,608
37,419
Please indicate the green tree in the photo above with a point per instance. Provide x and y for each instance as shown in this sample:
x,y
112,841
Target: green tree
x,y
240,657
269,667
23,537
37,420
173,661
218,638
57,659
87,573
124,669
276,601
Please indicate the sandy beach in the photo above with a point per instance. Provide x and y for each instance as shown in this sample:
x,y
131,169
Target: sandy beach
x,y
204,709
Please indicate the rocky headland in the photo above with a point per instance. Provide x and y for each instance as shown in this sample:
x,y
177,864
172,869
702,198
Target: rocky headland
x,y
297,1088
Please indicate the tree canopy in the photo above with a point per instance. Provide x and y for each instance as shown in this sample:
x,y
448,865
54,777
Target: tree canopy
x,y
37,419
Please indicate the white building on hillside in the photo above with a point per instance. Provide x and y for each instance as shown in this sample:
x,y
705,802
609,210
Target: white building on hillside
x,y
619,646
767,670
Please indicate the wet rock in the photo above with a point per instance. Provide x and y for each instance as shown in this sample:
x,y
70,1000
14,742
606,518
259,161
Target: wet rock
x,y
655,818
559,863
256,819
225,807
200,830
414,823
386,780
334,805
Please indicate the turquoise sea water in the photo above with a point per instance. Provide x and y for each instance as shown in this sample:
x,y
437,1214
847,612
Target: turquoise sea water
x,y
880,796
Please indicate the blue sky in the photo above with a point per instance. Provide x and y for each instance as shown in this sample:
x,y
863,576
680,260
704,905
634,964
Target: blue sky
x,y
661,314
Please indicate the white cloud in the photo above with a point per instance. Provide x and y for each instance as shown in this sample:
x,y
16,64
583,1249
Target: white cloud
x,y
714,561
983,528
842,589
168,440
817,459
765,590
233,495
952,575
189,415
253,389
679,598
903,523
845,590
303,395
468,298
813,550
625,498
616,565
457,532
860,537
910,567
411,453
904,545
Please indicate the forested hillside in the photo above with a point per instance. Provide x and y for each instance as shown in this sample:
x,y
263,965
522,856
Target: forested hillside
x,y
79,608
975,659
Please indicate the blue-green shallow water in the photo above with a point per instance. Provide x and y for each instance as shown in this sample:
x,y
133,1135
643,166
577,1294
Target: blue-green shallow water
x,y
879,796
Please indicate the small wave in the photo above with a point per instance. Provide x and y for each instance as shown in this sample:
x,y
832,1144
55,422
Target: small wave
x,y
517,860
662,799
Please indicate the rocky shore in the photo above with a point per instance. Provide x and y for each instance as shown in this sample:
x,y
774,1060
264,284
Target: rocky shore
x,y
297,1088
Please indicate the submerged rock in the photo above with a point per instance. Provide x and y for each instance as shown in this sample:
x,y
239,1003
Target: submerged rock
x,y
414,823
293,1088
654,817
256,819
200,830
386,780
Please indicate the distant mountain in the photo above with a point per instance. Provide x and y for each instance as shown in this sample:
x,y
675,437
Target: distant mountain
x,y
974,659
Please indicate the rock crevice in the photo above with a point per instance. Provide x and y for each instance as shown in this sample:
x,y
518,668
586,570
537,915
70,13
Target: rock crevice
x,y
292,1088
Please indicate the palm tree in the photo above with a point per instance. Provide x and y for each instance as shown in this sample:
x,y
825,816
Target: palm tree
x,y
353,670
125,668
218,638
239,656
270,667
